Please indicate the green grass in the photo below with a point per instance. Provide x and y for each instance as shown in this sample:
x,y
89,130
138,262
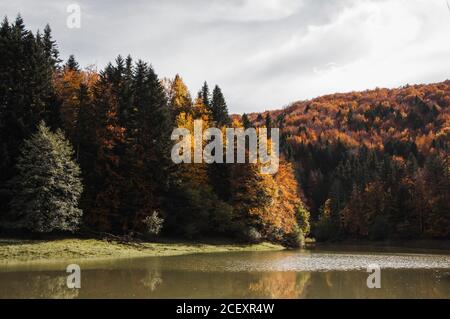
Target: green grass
x,y
14,251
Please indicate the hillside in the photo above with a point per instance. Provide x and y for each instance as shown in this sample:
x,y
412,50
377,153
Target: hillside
x,y
374,163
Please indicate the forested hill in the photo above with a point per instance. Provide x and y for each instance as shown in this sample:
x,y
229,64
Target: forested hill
x,y
372,164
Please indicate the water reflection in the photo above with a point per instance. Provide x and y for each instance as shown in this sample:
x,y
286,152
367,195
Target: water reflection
x,y
152,280
36,285
237,275
285,285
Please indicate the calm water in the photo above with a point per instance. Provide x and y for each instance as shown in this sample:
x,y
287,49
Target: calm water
x,y
317,273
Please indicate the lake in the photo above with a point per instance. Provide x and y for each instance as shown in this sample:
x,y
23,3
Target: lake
x,y
332,272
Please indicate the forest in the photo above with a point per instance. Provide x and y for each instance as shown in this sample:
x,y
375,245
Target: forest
x,y
87,151
371,165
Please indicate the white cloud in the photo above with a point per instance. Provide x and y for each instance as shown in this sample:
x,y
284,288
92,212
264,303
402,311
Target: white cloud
x,y
263,53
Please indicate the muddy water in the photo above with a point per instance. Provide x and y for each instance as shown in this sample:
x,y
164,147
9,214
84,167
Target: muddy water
x,y
316,273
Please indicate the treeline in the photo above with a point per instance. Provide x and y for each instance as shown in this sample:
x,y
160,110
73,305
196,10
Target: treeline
x,y
89,151
374,164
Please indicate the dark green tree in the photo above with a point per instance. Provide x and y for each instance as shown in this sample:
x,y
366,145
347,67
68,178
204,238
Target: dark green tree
x,y
153,144
204,92
269,124
27,95
245,121
219,109
72,64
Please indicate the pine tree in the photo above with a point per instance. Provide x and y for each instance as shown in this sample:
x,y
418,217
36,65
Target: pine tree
x,y
205,95
268,121
268,124
72,64
49,64
85,139
220,174
132,145
154,165
50,48
48,186
103,211
27,95
246,121
219,108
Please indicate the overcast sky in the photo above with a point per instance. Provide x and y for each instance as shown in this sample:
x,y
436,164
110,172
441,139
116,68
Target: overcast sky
x,y
263,53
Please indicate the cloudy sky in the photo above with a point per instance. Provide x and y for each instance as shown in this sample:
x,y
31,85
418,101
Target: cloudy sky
x,y
263,53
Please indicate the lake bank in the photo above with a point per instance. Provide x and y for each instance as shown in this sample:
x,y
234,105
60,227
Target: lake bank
x,y
25,251
16,251
435,245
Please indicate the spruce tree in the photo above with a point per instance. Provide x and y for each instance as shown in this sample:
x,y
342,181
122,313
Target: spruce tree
x,y
269,124
205,95
148,157
50,48
48,185
27,95
106,183
246,122
219,109
72,64
268,121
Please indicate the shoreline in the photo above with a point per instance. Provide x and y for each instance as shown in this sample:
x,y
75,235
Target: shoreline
x,y
439,246
16,252
20,252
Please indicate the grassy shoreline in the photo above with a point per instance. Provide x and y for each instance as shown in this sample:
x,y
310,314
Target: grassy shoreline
x,y
19,251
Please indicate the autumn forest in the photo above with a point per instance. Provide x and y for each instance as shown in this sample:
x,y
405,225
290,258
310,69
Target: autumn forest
x,y
87,151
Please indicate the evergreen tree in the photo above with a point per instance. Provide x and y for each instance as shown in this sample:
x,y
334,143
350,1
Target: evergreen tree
x,y
153,146
72,64
104,203
27,94
245,121
268,124
268,121
133,158
219,108
205,95
50,48
85,141
48,185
